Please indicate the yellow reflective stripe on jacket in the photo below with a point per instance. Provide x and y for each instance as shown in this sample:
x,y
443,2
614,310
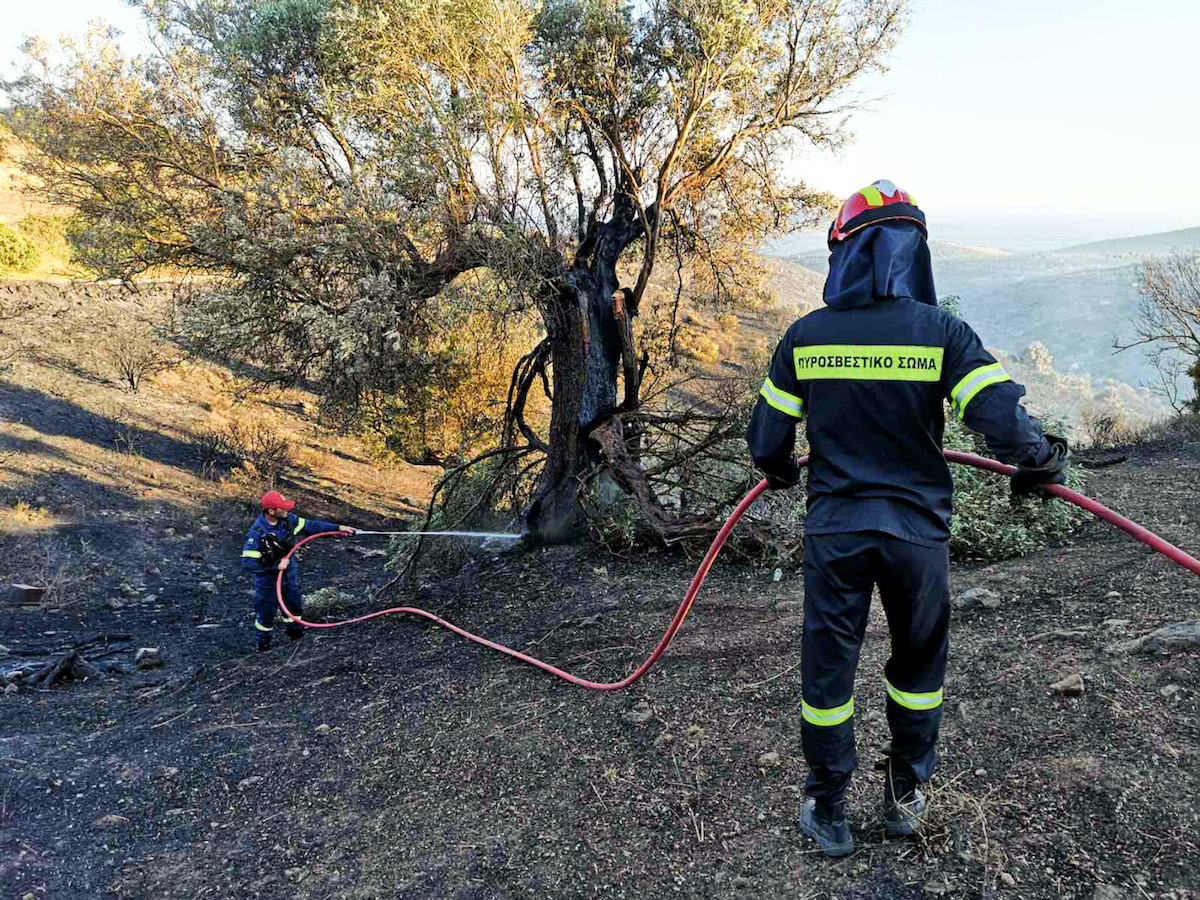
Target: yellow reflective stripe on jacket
x,y
253,554
782,400
299,524
867,362
918,700
974,382
826,717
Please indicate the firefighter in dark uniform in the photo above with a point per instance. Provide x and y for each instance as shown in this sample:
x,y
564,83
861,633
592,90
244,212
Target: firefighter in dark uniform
x,y
264,554
868,375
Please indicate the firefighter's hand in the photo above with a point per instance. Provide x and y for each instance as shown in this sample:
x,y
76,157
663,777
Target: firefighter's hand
x,y
1032,479
347,529
781,481
283,563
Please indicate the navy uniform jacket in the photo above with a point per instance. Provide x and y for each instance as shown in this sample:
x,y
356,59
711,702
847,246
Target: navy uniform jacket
x,y
868,375
287,530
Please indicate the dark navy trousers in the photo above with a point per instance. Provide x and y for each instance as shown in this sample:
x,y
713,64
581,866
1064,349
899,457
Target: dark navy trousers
x,y
266,605
840,571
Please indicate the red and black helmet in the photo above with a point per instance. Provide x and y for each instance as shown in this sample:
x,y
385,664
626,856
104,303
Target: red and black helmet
x,y
878,202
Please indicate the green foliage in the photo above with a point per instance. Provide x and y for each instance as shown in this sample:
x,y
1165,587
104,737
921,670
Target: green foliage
x,y
48,234
986,525
17,252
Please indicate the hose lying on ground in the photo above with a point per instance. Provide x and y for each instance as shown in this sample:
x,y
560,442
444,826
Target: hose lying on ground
x,y
1137,531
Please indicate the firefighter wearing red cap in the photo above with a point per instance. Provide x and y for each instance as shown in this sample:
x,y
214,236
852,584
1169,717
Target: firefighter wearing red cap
x,y
265,553
869,375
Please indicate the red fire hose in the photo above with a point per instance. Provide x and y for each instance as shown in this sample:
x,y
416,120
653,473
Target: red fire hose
x,y
1132,528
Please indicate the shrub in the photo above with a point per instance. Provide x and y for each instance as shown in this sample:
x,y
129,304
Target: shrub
x,y
985,524
258,446
48,234
133,354
17,252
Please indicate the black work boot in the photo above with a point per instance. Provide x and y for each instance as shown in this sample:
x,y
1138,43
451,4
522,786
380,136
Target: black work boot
x,y
294,631
826,822
263,643
903,803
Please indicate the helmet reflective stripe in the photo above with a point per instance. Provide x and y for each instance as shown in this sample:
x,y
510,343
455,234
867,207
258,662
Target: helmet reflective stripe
x,y
873,195
782,400
918,700
974,382
826,717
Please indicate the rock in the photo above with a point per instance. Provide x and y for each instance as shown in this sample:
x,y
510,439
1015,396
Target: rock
x,y
113,603
1170,690
790,607
128,589
1179,636
777,575
10,689
1116,624
768,760
30,896
1069,686
170,772
982,597
742,675
149,598
111,821
1113,595
1108,892
25,594
981,772
147,658
250,782
324,729
1008,880
937,888
639,715
208,586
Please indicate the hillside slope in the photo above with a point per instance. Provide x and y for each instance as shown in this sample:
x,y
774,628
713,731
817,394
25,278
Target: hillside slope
x,y
1163,242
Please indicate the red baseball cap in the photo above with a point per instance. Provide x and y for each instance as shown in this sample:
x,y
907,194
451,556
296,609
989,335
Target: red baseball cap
x,y
276,500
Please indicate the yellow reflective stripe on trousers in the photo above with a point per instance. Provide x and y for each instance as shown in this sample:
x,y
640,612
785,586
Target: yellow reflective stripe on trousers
x,y
826,717
913,699
260,626
299,524
782,400
869,362
974,382
252,554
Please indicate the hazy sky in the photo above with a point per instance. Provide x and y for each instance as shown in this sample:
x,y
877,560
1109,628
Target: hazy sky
x,y
1073,116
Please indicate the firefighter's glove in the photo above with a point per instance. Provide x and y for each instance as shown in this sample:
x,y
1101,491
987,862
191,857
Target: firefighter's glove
x,y
782,480
1031,479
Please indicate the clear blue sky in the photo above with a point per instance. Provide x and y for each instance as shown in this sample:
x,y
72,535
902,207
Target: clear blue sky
x,y
1071,119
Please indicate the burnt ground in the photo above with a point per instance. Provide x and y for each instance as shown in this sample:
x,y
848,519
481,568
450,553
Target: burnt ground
x,y
393,759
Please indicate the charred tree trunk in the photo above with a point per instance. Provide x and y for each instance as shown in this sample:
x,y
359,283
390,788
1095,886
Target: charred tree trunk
x,y
590,337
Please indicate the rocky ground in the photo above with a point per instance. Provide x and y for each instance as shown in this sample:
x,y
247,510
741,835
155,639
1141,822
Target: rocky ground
x,y
394,759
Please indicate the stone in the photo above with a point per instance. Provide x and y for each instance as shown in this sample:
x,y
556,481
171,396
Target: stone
x,y
1069,685
1108,892
981,597
639,715
1170,690
170,772
113,603
111,821
1008,880
777,575
790,607
250,782
147,658
1179,636
324,729
208,586
10,689
768,760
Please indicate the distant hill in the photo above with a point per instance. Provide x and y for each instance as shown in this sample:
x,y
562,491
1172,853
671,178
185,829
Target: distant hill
x,y
1163,242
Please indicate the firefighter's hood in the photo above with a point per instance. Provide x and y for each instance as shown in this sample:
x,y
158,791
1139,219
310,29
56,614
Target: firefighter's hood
x,y
890,259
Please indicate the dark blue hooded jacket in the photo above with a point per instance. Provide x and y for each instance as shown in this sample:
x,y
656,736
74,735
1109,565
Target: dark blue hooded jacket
x,y
868,374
